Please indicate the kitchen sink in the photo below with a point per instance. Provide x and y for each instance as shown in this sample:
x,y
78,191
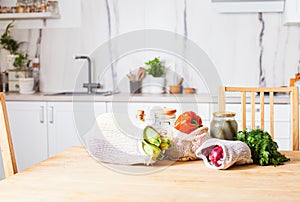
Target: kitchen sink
x,y
70,93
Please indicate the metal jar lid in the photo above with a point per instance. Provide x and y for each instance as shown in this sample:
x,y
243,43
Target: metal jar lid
x,y
224,114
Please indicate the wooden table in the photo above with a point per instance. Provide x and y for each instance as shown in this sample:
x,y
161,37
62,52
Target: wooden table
x,y
74,176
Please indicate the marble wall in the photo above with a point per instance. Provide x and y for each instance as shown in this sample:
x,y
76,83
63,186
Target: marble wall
x,y
246,49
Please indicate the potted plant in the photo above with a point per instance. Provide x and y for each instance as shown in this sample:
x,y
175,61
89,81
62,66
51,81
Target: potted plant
x,y
154,82
21,62
9,44
14,59
155,67
17,62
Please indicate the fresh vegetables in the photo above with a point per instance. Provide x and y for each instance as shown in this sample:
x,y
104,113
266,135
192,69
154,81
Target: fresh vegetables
x,y
263,148
154,144
188,122
216,155
152,136
151,150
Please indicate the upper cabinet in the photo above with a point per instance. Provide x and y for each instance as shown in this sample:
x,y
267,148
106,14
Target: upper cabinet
x,y
292,12
67,15
248,6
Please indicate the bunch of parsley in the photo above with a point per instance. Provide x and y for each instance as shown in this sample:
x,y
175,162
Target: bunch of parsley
x,y
263,148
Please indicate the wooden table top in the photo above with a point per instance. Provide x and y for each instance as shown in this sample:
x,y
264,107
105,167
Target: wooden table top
x,y
75,176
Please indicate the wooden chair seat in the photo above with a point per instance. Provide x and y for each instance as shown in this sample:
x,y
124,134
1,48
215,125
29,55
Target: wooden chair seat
x,y
294,107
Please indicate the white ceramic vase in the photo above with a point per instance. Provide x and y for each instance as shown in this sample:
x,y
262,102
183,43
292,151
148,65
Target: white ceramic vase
x,y
153,84
26,85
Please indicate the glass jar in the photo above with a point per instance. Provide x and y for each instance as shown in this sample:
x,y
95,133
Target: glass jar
x,y
52,6
164,120
21,6
223,126
40,5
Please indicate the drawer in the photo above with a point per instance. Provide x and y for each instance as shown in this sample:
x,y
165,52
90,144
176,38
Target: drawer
x,y
13,86
15,75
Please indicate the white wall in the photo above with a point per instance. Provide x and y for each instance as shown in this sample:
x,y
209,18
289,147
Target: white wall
x,y
231,41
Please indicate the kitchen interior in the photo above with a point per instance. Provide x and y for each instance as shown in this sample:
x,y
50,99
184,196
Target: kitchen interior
x,y
84,58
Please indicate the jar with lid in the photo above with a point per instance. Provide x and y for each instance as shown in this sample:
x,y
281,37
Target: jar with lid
x,y
164,120
52,6
40,5
21,6
223,126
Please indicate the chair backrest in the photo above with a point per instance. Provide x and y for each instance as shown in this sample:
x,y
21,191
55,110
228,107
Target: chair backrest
x,y
7,151
294,107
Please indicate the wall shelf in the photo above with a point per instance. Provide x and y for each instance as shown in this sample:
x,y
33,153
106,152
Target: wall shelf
x,y
292,12
248,6
29,16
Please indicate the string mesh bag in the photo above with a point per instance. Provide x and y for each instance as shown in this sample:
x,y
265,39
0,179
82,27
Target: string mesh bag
x,y
185,145
234,152
108,142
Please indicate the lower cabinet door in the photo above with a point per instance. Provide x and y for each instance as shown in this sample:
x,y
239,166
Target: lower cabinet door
x,y
68,122
29,132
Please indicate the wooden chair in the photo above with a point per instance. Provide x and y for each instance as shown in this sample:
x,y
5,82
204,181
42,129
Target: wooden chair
x,y
6,145
294,105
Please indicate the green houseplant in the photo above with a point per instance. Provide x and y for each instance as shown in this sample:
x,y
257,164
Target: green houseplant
x,y
21,61
155,67
154,82
18,59
7,42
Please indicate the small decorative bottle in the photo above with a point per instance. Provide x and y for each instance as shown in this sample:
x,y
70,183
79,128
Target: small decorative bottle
x,y
36,73
140,116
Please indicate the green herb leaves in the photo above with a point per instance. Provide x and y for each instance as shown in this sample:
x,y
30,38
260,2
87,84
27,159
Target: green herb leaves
x,y
263,148
8,42
156,69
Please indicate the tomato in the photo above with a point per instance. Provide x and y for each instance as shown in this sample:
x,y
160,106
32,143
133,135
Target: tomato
x,y
188,122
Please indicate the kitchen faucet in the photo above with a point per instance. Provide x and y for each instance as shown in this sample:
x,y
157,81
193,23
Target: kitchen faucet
x,y
90,86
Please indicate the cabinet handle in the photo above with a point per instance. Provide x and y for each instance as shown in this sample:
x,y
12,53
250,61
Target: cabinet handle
x,y
42,114
51,115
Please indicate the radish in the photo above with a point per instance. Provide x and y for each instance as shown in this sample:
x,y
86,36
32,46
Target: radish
x,y
216,155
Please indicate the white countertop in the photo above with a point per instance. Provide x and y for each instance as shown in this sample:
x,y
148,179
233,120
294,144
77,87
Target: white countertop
x,y
126,97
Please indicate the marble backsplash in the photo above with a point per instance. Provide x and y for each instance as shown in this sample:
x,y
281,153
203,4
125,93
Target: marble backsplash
x,y
246,49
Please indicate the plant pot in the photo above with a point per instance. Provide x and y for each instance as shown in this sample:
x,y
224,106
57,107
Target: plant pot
x,y
26,85
153,84
10,59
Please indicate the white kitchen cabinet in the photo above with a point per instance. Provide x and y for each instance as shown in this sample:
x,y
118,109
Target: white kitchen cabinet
x,y
42,129
62,132
247,6
69,121
29,132
292,12
281,121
